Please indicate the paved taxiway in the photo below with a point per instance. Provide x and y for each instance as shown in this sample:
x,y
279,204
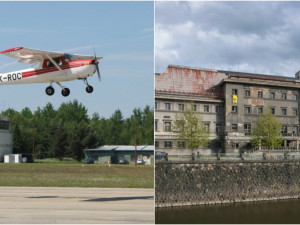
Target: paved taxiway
x,y
39,205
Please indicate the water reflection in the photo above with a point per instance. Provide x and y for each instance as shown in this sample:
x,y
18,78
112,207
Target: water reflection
x,y
281,211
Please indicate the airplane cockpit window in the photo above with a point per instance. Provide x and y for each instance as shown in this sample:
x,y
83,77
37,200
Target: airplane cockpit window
x,y
68,57
50,64
58,62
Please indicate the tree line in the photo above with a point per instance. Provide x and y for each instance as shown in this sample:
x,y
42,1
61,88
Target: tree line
x,y
67,131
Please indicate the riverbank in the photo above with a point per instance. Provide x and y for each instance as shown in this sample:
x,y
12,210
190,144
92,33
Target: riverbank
x,y
179,184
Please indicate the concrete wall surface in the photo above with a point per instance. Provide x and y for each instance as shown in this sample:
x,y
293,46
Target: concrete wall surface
x,y
178,184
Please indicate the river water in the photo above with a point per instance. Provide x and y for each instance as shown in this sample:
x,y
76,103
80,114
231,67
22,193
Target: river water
x,y
279,211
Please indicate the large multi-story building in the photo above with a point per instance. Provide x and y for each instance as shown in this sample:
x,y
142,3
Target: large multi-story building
x,y
229,103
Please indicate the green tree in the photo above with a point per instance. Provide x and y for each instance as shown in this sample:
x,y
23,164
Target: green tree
x,y
267,131
190,130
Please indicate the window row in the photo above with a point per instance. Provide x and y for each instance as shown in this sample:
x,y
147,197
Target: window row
x,y
247,129
283,111
271,95
167,127
181,107
170,144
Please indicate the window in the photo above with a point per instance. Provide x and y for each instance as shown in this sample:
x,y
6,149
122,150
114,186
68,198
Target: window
x,y
167,126
259,110
272,110
247,109
284,129
272,95
206,108
194,107
283,96
295,129
247,93
180,107
259,94
295,97
57,60
295,112
206,125
167,106
4,125
247,128
155,105
168,144
218,109
155,125
234,109
235,145
156,144
234,128
218,128
283,111
234,91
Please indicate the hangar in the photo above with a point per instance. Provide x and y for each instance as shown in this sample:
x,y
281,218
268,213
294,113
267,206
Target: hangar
x,y
115,153
5,138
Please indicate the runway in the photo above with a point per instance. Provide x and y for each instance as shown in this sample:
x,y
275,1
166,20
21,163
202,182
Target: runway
x,y
40,205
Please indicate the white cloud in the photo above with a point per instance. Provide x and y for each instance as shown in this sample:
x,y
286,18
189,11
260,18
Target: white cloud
x,y
259,37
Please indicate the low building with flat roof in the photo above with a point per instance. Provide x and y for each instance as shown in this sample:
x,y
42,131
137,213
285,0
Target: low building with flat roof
x,y
115,153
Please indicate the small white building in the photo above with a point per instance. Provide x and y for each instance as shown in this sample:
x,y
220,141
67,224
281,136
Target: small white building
x,y
13,158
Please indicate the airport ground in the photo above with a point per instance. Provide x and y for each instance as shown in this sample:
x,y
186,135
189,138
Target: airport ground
x,y
48,205
68,173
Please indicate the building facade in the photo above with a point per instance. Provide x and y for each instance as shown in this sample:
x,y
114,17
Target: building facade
x,y
229,103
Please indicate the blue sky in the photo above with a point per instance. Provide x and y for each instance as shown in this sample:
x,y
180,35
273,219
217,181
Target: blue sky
x,y
121,32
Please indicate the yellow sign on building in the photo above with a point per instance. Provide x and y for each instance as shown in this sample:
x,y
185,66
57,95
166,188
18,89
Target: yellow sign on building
x,y
234,98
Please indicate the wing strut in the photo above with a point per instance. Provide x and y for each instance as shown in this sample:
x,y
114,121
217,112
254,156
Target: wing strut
x,y
57,66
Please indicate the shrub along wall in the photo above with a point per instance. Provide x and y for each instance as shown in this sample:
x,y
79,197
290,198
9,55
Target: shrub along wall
x,y
179,184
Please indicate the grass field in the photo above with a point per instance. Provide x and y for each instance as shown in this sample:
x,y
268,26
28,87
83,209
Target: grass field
x,y
68,173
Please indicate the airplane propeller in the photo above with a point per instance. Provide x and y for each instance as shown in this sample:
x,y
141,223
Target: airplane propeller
x,y
97,67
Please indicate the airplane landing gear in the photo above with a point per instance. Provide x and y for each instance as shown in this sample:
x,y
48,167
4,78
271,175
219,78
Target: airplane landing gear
x,y
65,92
89,89
49,90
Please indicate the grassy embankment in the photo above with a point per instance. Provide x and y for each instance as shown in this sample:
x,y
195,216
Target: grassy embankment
x,y
68,173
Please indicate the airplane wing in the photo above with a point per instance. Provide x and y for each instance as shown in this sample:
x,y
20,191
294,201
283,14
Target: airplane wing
x,y
85,57
27,55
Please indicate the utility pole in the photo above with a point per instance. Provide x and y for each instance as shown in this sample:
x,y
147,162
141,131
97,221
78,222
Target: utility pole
x,y
135,137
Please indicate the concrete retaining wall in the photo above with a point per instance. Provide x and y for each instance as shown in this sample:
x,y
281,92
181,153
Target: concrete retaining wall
x,y
179,184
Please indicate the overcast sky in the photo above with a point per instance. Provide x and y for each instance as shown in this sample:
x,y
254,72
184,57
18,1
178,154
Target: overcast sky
x,y
255,37
121,32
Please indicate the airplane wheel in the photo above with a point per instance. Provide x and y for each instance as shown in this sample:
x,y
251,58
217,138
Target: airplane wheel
x,y
49,90
65,92
89,89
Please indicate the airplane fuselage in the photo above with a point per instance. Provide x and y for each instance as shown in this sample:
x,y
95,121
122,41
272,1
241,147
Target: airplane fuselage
x,y
77,69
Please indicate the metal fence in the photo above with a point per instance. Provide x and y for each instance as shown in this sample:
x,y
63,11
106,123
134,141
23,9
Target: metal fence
x,y
270,156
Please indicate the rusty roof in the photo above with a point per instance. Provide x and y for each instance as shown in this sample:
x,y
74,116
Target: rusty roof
x,y
190,80
202,82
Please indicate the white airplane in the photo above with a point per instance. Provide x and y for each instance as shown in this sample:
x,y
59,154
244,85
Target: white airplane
x,y
50,67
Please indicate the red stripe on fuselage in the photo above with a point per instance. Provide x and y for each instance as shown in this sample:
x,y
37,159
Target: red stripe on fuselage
x,y
52,69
